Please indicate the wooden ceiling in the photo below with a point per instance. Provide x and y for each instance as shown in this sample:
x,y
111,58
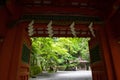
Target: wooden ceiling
x,y
63,13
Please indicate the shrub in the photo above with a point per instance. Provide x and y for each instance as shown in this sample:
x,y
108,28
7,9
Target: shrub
x,y
35,70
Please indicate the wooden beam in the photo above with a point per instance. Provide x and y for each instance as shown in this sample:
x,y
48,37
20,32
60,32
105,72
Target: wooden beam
x,y
77,26
61,31
60,35
61,10
81,26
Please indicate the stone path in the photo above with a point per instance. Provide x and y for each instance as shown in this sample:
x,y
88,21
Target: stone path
x,y
65,75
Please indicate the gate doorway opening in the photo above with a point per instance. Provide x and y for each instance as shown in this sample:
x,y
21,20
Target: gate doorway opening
x,y
61,56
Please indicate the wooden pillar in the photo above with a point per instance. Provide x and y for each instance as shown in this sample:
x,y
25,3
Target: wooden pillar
x,y
12,67
96,58
4,16
24,49
16,54
110,49
104,41
6,54
3,31
114,48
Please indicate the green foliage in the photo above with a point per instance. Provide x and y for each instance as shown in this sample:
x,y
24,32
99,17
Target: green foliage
x,y
52,52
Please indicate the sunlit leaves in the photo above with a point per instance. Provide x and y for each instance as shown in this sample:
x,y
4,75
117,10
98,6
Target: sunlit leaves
x,y
55,51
